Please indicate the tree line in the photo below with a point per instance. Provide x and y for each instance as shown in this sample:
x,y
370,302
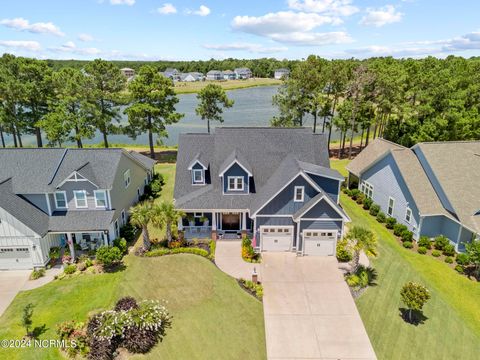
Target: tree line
x,y
403,100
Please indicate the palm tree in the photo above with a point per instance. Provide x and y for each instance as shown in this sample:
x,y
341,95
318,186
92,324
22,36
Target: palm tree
x,y
361,239
140,215
165,214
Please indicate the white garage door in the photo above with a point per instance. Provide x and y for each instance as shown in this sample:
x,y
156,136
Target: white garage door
x,y
15,258
276,238
319,243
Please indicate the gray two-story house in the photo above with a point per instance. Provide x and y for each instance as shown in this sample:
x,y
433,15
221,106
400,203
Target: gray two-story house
x,y
273,184
432,187
53,197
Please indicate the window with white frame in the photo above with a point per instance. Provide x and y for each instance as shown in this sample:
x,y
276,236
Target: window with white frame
x,y
408,215
235,183
391,205
80,198
367,189
126,178
197,175
117,229
299,193
198,214
100,198
61,200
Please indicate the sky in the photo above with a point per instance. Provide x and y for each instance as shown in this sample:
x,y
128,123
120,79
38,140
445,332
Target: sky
x,y
200,30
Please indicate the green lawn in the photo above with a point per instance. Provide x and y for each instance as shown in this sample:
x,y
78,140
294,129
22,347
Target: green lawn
x,y
168,172
452,329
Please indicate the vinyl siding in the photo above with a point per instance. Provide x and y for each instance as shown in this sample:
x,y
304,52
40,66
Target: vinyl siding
x,y
433,226
330,186
236,170
70,186
322,210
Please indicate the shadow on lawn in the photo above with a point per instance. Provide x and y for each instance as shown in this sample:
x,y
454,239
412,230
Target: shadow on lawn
x,y
38,330
416,317
115,268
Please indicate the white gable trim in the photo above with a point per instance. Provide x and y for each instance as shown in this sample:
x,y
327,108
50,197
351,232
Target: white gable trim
x,y
325,176
196,162
332,205
76,174
231,164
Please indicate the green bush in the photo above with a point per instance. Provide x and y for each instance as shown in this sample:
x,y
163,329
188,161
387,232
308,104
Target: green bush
x,y
212,245
449,260
440,242
69,269
449,250
436,253
360,198
348,192
180,250
108,256
37,274
462,259
407,245
374,209
390,222
54,252
354,193
407,236
425,242
157,252
257,289
367,203
156,184
121,244
88,263
343,255
81,266
363,277
248,253
422,250
460,269
398,229
381,218
128,232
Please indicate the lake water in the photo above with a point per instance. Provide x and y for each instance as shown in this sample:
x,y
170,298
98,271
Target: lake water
x,y
253,107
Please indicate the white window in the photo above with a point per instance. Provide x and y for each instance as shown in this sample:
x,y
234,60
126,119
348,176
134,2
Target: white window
x,y
61,200
100,198
124,217
198,214
80,198
299,193
408,215
235,183
117,229
391,204
367,189
126,178
198,176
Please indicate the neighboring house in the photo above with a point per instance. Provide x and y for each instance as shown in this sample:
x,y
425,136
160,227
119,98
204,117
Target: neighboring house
x,y
229,75
171,73
214,75
430,187
281,74
243,73
274,184
191,77
127,72
51,197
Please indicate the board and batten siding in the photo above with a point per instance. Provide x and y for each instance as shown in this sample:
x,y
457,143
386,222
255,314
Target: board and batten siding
x,y
236,170
387,182
322,210
70,186
275,221
330,186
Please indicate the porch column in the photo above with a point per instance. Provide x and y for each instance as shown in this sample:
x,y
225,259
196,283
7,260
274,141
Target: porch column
x,y
71,246
181,234
244,224
105,238
214,225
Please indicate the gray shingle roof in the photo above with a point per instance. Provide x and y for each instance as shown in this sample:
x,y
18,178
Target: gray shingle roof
x,y
80,220
313,201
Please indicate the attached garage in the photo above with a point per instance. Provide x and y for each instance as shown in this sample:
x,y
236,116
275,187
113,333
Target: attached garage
x,y
276,238
15,258
319,243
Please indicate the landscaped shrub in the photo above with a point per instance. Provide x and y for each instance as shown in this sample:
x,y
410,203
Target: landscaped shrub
x,y
354,193
425,242
343,255
81,266
248,253
108,256
406,235
449,260
128,232
101,349
73,331
212,245
422,250
348,192
70,269
462,259
390,222
459,269
436,253
363,277
176,244
187,250
156,184
157,252
367,203
121,244
54,252
37,274
360,198
440,242
88,263
407,245
398,229
449,250
256,289
381,217
139,341
126,303
374,209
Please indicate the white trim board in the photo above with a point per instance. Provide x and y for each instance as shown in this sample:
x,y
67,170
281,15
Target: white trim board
x,y
231,164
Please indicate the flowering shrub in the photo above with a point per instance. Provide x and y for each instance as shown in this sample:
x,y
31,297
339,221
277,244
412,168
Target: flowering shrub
x,y
126,303
73,331
66,259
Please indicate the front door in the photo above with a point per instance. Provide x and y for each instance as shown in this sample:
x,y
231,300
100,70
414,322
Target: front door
x,y
230,222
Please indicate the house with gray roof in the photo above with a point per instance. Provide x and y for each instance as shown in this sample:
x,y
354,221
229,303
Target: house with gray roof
x,y
272,184
214,75
280,74
53,197
430,187
243,73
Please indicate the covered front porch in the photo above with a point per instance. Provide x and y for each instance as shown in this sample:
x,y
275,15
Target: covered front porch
x,y
81,241
215,224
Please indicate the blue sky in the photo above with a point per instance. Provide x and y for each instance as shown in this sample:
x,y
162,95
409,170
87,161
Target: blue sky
x,y
192,30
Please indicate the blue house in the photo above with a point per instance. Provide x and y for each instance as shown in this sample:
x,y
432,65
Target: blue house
x,y
272,184
431,187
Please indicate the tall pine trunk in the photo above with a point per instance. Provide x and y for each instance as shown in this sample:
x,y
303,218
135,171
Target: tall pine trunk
x,y
340,144
361,138
38,134
150,138
146,238
314,121
331,123
208,125
14,136
19,135
105,138
2,137
354,119
368,135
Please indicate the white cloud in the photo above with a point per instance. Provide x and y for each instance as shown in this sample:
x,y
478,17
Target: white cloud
x,y
20,44
122,2
202,11
313,38
253,48
381,16
166,9
333,7
85,37
22,24
71,47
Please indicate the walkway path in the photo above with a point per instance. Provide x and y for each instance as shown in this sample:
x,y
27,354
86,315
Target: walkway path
x,y
228,258
49,276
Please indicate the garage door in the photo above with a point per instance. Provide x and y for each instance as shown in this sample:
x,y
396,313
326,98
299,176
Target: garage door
x,y
276,238
15,258
319,243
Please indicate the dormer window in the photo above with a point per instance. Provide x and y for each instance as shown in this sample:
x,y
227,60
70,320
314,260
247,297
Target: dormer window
x,y
197,176
235,183
299,193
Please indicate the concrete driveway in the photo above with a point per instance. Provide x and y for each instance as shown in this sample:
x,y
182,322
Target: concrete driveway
x,y
309,311
11,282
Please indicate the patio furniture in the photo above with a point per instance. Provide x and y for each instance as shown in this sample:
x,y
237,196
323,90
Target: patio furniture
x,y
83,244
